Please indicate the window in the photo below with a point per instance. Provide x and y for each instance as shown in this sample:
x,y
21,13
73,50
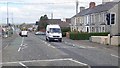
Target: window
x,y
55,30
92,29
87,29
103,28
112,18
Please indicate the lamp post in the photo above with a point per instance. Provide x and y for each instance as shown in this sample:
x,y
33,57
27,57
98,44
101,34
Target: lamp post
x,y
7,15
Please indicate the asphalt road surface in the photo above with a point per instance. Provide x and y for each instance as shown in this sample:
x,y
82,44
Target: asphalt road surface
x,y
35,51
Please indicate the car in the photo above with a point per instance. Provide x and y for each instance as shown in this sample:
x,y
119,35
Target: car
x,y
39,33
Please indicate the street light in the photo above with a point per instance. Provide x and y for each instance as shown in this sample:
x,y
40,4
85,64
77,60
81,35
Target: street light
x,y
7,15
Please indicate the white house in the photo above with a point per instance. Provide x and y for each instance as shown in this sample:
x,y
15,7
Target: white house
x,y
93,19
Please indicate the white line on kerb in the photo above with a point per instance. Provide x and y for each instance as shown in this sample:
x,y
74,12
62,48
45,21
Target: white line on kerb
x,y
23,64
115,56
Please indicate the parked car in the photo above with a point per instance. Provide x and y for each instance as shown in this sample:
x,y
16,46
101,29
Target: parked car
x,y
39,33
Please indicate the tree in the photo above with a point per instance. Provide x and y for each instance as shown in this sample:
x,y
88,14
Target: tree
x,y
43,22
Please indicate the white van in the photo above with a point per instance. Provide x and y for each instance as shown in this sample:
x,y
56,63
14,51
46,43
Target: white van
x,y
53,32
24,34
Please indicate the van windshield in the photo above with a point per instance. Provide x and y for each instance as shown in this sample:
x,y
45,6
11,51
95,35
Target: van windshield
x,y
55,30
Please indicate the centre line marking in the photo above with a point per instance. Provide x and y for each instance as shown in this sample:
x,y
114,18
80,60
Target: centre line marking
x,y
19,49
21,44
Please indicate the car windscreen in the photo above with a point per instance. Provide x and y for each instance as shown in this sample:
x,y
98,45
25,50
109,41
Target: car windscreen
x,y
55,30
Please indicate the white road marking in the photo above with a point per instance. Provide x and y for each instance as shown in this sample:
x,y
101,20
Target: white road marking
x,y
5,47
79,45
65,47
21,44
24,45
45,42
51,46
49,60
73,44
19,49
115,56
77,62
23,64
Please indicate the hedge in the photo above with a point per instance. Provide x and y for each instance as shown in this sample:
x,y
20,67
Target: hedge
x,y
84,36
64,30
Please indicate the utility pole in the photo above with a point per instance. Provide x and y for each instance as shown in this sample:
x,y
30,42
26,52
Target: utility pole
x,y
7,15
51,15
12,19
110,30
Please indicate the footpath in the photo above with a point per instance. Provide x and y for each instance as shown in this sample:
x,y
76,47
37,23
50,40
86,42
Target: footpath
x,y
92,44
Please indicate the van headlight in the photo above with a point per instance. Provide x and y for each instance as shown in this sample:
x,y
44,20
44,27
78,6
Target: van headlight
x,y
50,36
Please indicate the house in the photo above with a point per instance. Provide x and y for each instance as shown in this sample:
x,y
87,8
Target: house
x,y
93,19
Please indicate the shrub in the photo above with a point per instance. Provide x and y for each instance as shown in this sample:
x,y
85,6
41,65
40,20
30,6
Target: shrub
x,y
84,36
119,45
64,30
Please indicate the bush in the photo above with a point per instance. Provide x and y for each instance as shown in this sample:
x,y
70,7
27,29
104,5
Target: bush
x,y
84,36
99,34
64,30
118,45
63,34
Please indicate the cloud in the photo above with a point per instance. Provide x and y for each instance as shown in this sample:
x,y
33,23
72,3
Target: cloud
x,y
31,10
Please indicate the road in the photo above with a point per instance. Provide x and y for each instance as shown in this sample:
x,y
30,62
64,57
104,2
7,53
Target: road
x,y
35,51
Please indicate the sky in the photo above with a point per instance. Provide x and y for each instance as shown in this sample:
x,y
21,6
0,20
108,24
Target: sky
x,y
29,11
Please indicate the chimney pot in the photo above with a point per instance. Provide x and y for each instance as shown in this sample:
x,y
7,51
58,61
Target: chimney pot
x,y
82,8
92,5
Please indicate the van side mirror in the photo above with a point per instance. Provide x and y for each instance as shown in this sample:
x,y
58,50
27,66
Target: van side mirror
x,y
20,33
47,31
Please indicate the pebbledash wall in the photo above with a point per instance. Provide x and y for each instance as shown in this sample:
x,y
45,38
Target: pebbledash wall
x,y
114,27
106,40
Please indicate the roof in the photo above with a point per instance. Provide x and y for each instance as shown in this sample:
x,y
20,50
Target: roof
x,y
53,26
54,21
61,23
97,9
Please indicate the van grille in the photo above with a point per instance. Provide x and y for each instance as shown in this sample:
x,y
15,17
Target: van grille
x,y
55,36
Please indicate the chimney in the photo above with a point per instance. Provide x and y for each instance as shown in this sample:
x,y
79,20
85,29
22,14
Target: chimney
x,y
92,5
82,8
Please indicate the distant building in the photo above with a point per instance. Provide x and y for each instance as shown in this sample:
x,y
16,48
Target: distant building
x,y
60,22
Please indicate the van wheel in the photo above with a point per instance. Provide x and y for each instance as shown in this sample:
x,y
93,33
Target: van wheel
x,y
60,40
49,40
46,39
